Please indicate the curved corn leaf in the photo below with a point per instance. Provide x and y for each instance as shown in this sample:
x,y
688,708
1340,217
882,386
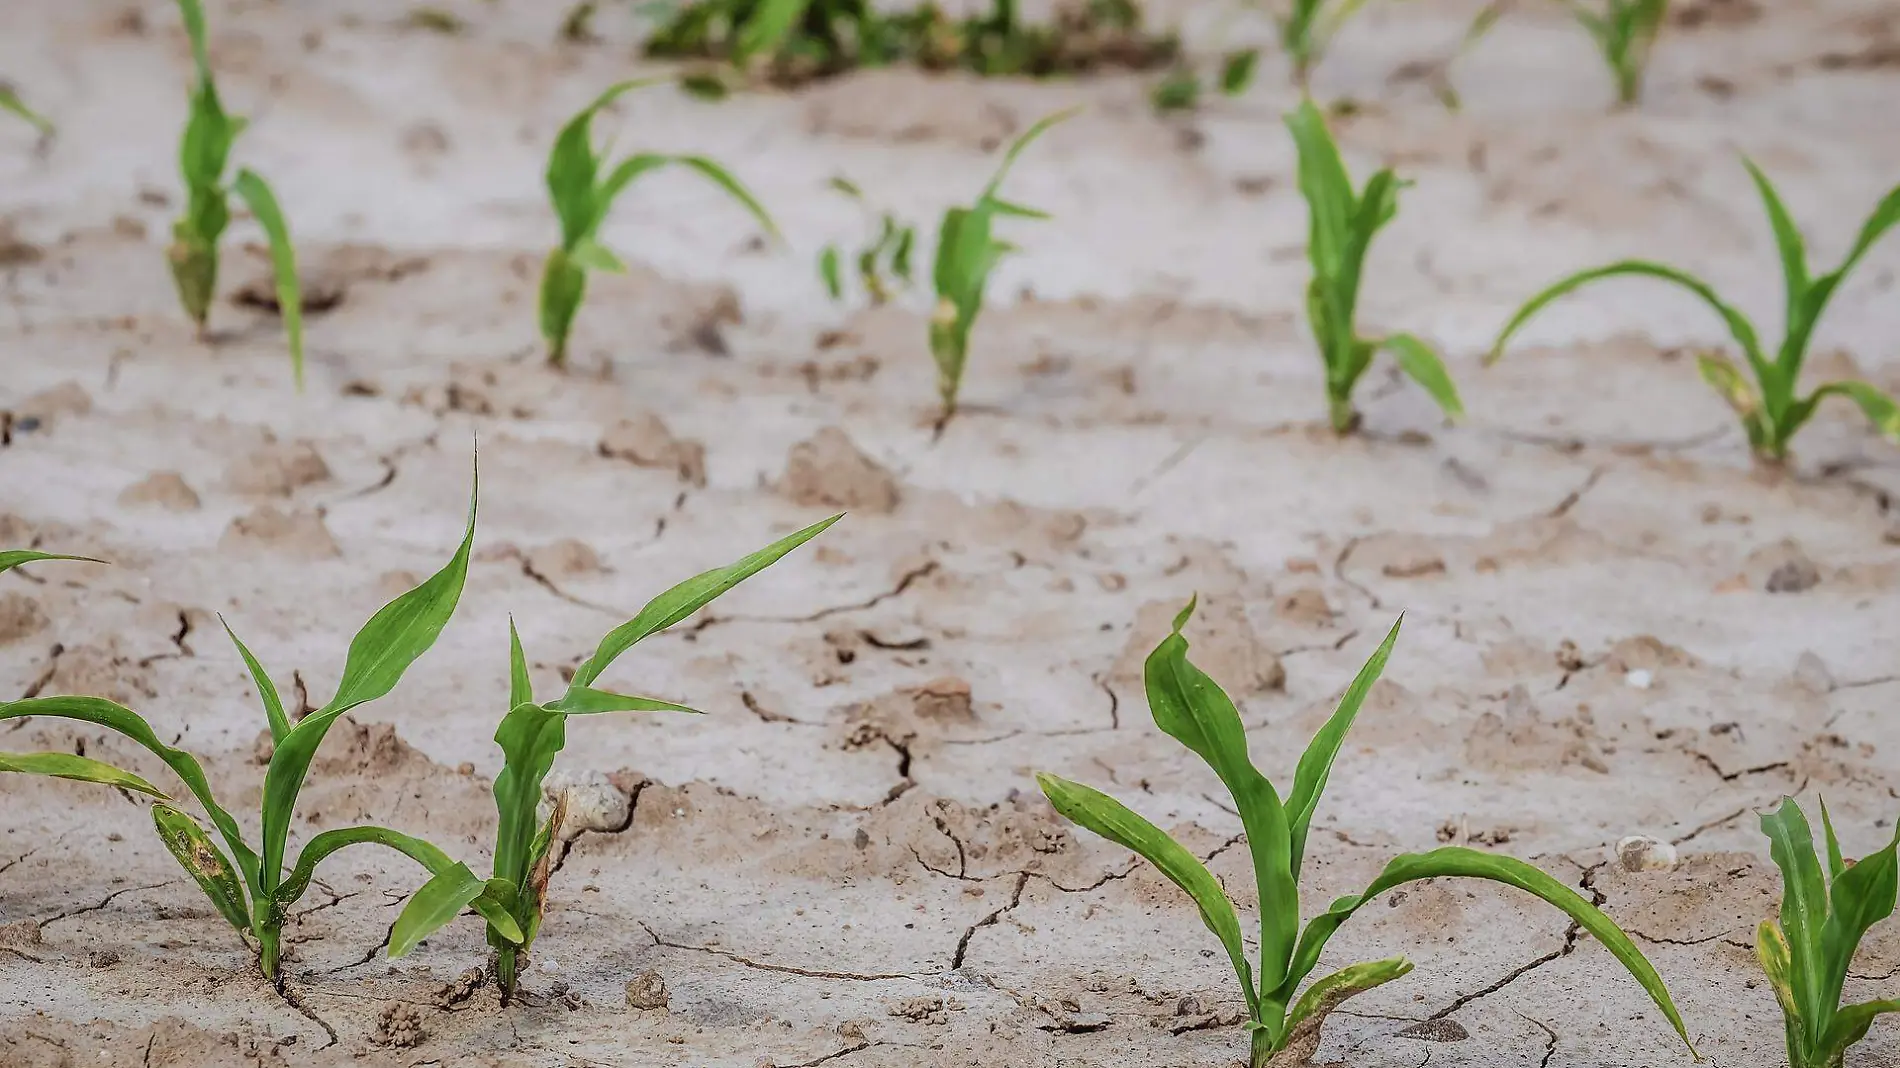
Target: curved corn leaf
x,y
1802,321
116,717
1237,69
1880,409
686,598
203,861
79,769
1326,994
584,700
1862,895
520,686
723,178
1836,864
1017,146
1330,200
1738,325
1803,904
263,204
1114,821
10,101
1725,378
1788,242
266,689
530,736
1191,708
1316,764
1850,1026
441,900
322,845
394,638
1771,949
573,168
590,255
829,272
1457,861
1423,366
12,558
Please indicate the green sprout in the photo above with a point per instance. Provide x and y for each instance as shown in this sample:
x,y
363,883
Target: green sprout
x,y
1343,224
1823,919
1180,90
883,261
967,251
203,153
1771,409
531,735
582,197
250,887
1190,707
1308,28
1624,32
10,101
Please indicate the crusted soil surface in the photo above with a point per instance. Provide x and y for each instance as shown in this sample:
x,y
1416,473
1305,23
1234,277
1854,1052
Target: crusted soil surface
x,y
1614,624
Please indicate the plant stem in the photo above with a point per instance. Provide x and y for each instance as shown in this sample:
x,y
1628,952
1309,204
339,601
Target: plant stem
x,y
505,961
1344,416
269,939
1262,1051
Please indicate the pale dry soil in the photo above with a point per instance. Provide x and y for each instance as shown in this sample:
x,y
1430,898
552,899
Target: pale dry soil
x,y
1614,625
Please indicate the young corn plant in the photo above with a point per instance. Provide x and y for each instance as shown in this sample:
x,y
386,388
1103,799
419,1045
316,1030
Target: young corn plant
x,y
10,102
882,262
1308,28
967,251
583,191
1342,225
251,887
531,735
1285,1023
203,154
1624,32
1772,409
1823,918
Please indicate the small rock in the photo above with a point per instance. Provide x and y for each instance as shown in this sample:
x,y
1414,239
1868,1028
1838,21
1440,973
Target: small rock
x,y
645,441
299,533
20,617
48,406
1640,852
593,803
563,558
947,698
647,991
1436,1031
1794,576
828,469
1306,606
165,489
276,469
1810,673
1640,679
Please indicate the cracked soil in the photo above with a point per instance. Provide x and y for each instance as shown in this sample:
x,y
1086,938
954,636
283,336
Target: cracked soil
x,y
1614,625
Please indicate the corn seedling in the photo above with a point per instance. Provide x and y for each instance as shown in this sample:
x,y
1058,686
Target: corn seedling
x,y
967,250
1624,32
1308,28
882,262
1772,409
251,887
10,101
1342,225
582,196
1190,707
203,153
1181,89
531,735
1823,919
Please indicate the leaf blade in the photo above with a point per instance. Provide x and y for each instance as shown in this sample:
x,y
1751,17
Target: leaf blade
x,y
263,204
79,769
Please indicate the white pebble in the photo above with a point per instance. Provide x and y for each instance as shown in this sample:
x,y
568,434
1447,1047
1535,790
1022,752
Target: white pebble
x,y
1640,678
1640,852
548,964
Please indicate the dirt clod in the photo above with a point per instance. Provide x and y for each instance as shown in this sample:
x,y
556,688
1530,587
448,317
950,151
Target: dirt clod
x,y
164,489
399,1025
829,470
647,992
645,441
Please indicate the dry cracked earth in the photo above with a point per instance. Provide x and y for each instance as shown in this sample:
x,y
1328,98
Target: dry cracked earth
x,y
1614,625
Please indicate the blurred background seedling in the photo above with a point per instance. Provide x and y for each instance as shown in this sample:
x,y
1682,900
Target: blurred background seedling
x,y
967,251
531,736
1771,408
882,262
583,191
10,102
1823,919
1624,32
203,153
251,888
1191,708
1307,29
1342,224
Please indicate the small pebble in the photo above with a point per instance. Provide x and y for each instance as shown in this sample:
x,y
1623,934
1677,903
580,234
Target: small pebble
x,y
1640,852
1639,679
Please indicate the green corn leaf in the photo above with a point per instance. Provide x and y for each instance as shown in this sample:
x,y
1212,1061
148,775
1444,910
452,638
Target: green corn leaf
x,y
1862,895
203,861
1880,409
1459,862
1109,818
563,283
520,686
900,254
1017,146
10,101
573,168
439,901
723,178
1180,90
704,85
846,186
1237,70
319,848
115,717
1803,904
79,769
1191,707
12,558
1423,366
583,700
590,255
1725,378
686,598
266,689
1794,252
830,273
1739,327
1316,764
1802,321
263,205
1326,994
1850,1026
1835,863
767,28
394,638
1010,209
1327,187
495,908
530,736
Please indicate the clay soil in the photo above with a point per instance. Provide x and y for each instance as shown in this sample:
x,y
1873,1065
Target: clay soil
x,y
1614,624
